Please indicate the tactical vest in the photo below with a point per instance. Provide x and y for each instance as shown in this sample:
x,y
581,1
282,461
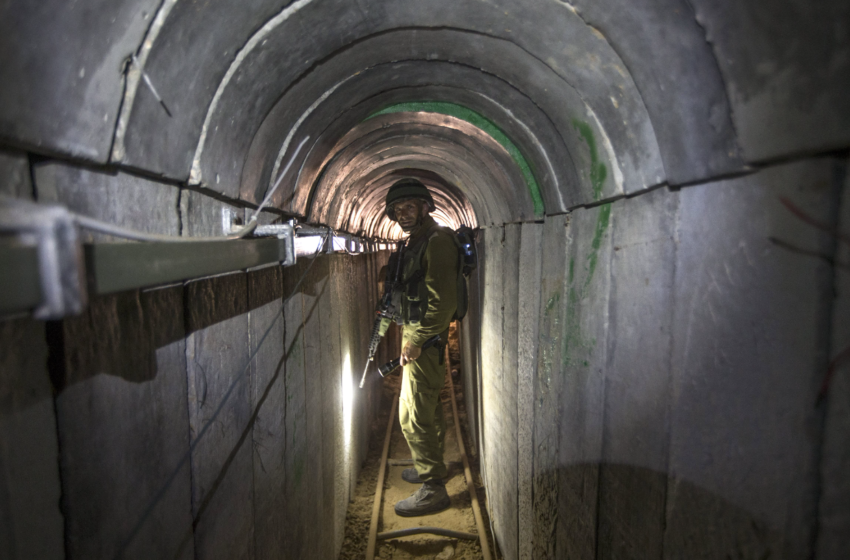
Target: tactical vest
x,y
414,300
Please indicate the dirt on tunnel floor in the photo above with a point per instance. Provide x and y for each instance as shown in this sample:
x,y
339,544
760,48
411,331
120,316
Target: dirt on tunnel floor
x,y
458,517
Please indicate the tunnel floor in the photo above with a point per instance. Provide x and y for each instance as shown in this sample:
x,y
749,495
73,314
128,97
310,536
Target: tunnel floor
x,y
458,517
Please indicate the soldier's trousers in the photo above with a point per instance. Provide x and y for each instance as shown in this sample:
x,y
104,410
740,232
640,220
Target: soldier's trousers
x,y
421,413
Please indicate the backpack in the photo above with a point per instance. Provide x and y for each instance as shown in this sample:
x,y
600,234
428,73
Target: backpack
x,y
468,261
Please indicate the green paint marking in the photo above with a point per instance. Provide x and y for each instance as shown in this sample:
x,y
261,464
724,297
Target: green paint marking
x,y
598,171
549,335
599,231
486,125
573,339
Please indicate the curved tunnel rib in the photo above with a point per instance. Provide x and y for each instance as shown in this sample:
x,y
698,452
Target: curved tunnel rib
x,y
493,58
426,43
479,167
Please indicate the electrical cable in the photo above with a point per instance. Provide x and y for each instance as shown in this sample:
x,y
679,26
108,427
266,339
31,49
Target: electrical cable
x,y
279,178
126,233
135,235
149,83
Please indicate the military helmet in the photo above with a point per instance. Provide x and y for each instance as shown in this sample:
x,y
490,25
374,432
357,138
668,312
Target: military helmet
x,y
406,189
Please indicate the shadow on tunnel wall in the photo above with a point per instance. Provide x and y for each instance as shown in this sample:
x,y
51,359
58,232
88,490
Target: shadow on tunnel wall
x,y
703,525
119,334
266,284
129,452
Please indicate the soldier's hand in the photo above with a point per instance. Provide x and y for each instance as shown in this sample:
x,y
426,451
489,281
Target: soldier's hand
x,y
410,353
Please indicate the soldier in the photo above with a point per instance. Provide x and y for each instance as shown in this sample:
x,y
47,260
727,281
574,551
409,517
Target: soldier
x,y
428,304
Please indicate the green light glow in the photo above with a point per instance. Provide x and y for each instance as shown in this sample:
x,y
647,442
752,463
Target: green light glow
x,y
484,124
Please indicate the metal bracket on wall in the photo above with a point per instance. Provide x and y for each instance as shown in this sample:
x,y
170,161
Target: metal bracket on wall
x,y
42,260
48,272
284,232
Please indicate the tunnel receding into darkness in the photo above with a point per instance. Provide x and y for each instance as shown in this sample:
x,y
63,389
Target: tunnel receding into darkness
x,y
653,363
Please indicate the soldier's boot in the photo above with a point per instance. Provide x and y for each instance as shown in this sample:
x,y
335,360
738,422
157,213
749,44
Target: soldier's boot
x,y
430,498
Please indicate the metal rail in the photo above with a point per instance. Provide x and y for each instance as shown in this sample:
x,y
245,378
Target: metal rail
x,y
47,271
19,282
115,267
427,531
374,536
376,506
467,472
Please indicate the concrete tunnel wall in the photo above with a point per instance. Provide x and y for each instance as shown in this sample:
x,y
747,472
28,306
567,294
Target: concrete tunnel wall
x,y
651,325
200,420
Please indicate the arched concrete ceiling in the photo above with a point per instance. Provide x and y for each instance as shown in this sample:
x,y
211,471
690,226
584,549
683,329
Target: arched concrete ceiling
x,y
600,98
479,181
552,103
234,104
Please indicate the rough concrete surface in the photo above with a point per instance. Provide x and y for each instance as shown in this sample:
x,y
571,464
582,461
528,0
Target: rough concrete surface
x,y
268,402
121,417
491,345
530,263
547,388
187,82
219,403
332,452
110,197
743,393
203,216
631,507
586,322
833,514
471,350
316,286
503,104
502,400
297,419
15,175
62,69
341,385
630,478
31,523
665,49
772,55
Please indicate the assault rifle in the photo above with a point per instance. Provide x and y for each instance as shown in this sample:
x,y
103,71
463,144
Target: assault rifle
x,y
388,307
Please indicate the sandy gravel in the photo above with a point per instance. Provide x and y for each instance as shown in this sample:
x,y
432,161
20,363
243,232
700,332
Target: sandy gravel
x,y
458,517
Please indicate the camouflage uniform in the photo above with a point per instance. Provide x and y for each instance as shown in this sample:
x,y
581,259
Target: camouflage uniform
x,y
420,410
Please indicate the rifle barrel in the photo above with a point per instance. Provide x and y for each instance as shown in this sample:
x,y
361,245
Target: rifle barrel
x,y
365,371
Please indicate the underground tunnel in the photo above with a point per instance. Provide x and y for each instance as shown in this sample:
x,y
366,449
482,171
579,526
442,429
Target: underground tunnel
x,y
653,362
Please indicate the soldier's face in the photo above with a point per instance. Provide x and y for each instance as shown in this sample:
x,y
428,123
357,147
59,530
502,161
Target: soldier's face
x,y
408,213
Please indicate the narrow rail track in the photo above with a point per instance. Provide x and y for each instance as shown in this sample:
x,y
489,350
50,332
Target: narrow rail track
x,y
374,536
